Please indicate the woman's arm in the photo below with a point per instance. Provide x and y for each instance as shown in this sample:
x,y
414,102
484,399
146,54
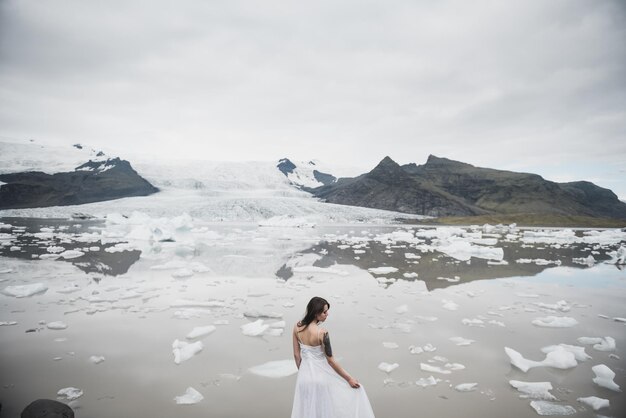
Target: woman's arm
x,y
296,348
334,364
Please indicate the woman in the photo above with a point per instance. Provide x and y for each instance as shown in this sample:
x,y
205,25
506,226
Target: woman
x,y
323,388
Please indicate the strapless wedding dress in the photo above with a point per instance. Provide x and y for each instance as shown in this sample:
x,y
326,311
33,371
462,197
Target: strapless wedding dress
x,y
322,393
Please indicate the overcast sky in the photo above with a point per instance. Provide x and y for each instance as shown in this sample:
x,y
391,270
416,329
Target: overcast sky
x,y
529,85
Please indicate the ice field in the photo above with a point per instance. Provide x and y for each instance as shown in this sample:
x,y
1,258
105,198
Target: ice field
x,y
160,315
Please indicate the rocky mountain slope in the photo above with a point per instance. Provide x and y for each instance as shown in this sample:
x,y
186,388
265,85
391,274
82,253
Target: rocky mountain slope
x,y
93,181
444,187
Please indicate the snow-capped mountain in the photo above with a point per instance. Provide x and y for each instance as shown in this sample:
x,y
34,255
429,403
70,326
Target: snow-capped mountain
x,y
305,174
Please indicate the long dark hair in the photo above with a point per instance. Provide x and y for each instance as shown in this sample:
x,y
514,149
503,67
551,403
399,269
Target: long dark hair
x,y
313,308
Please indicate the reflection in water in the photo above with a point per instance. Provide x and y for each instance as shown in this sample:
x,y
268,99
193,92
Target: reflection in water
x,y
32,238
439,270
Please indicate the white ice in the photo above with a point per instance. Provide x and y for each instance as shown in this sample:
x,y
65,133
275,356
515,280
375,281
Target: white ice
x,y
388,367
57,325
559,358
191,396
466,387
579,352
604,377
461,341
382,270
594,402
22,291
433,369
70,393
255,328
534,390
555,322
69,254
96,359
545,408
599,343
390,345
275,369
183,351
427,381
198,332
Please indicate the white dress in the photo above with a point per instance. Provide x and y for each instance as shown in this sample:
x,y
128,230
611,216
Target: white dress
x,y
322,393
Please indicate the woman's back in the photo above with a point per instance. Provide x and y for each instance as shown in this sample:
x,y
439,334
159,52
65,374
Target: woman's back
x,y
311,335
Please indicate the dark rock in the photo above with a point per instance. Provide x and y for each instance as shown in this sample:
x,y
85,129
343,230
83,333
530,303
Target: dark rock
x,y
47,408
324,178
79,146
94,181
286,166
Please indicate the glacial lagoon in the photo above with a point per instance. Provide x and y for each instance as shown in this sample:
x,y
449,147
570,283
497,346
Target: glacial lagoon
x,y
133,311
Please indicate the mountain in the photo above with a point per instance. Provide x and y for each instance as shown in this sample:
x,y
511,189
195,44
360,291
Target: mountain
x,y
444,187
305,175
93,181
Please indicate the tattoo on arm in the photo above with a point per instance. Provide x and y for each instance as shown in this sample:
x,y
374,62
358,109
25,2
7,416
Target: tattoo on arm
x,y
327,348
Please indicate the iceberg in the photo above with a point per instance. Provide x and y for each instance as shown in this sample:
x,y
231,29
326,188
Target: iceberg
x,y
275,369
604,377
70,393
26,290
545,408
191,396
183,351
466,387
558,358
534,390
555,322
594,402
388,367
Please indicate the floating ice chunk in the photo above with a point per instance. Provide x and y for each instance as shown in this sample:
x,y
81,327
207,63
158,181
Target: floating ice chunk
x,y
464,251
449,305
454,366
427,381
559,358
414,349
70,393
466,387
7,323
382,270
461,340
618,319
429,348
604,377
412,256
57,325
191,396
498,323
475,322
182,273
433,369
183,351
22,291
545,408
275,369
69,254
324,270
49,256
527,295
255,328
555,322
538,261
401,309
587,261
561,305
410,275
55,249
96,359
388,367
599,343
198,332
594,402
262,314
390,345
579,352
534,390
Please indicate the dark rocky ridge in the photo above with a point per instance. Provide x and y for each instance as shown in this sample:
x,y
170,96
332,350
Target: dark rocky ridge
x,y
93,181
444,187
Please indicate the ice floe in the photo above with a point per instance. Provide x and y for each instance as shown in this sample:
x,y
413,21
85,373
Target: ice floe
x,y
70,393
382,270
466,387
7,323
96,359
255,328
427,381
599,343
434,369
579,352
390,345
198,332
183,351
555,322
534,390
594,402
70,254
191,396
558,358
275,369
388,367
546,408
604,377
461,341
26,290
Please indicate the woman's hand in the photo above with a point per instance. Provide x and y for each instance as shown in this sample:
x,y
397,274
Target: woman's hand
x,y
354,383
